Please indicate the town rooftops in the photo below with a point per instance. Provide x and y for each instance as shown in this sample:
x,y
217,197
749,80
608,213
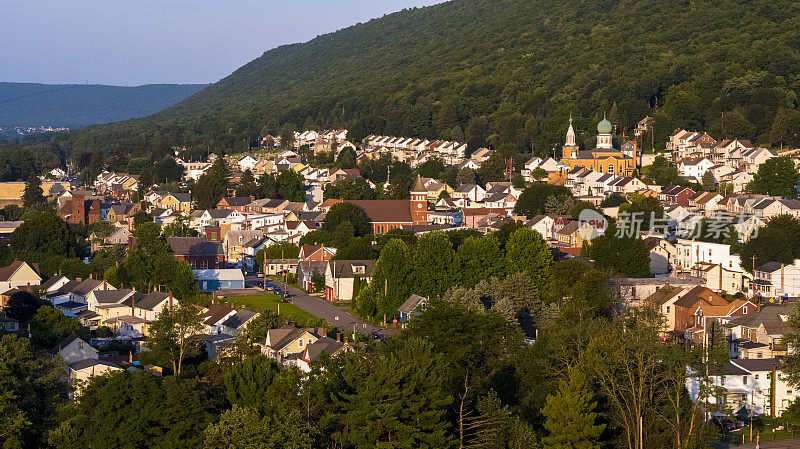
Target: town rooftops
x,y
151,300
664,294
86,287
112,296
386,211
241,317
325,345
89,363
7,272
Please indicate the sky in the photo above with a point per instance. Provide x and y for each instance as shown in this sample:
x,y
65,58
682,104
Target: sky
x,y
135,42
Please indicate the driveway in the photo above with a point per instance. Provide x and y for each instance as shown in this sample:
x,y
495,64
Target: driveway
x,y
325,310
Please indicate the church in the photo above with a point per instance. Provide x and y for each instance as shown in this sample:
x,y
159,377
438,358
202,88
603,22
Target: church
x,y
603,159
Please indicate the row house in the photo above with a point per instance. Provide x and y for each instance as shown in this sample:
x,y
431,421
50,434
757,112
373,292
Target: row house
x,y
107,182
691,252
193,170
694,168
345,278
775,279
758,335
237,203
675,195
749,383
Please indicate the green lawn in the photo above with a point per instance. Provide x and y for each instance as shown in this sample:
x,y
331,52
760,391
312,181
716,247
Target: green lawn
x,y
269,301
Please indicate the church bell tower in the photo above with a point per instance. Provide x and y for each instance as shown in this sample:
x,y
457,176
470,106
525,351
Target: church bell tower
x,y
419,203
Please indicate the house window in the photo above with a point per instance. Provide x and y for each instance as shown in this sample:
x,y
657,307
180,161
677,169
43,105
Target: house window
x,y
667,309
744,310
300,342
722,381
610,168
756,376
760,355
744,380
80,345
789,392
744,397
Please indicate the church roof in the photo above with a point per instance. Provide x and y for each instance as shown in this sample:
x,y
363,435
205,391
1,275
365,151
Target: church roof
x,y
604,127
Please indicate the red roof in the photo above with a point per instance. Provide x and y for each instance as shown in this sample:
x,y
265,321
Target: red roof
x,y
386,211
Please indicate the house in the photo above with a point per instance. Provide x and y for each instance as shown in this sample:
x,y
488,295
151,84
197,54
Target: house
x,y
664,301
213,317
694,168
759,334
81,292
8,324
288,341
247,163
83,370
19,275
719,277
316,253
237,203
198,251
280,266
661,254
574,233
759,383
177,202
774,279
237,323
312,352
410,306
220,346
235,242
705,313
472,192
305,273
345,278
73,349
216,279
675,196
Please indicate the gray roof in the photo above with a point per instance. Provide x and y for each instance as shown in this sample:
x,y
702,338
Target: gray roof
x,y
85,287
239,319
769,316
219,213
753,365
344,268
112,296
770,267
411,303
325,345
88,363
152,299
50,282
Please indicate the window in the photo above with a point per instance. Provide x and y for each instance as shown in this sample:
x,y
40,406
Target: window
x,y
744,309
756,376
744,397
610,168
760,355
722,381
789,392
300,342
667,309
744,380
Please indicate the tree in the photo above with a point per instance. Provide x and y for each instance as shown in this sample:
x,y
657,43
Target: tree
x,y
777,176
247,186
173,336
570,416
642,209
43,233
391,283
614,200
347,158
431,168
538,174
376,406
347,212
49,327
183,284
212,186
476,259
709,182
662,173
532,201
432,265
779,132
33,196
350,189
493,169
22,306
526,251
137,410
279,250
627,256
318,280
244,427
777,241
247,382
287,136
32,386
291,186
267,186
166,171
465,176
141,217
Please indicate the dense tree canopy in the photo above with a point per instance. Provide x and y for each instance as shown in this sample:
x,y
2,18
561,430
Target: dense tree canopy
x,y
776,176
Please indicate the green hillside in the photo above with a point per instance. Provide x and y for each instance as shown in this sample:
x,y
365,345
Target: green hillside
x,y
506,72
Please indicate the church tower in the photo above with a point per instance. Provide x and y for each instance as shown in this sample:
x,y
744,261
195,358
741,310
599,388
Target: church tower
x,y
604,134
570,149
419,203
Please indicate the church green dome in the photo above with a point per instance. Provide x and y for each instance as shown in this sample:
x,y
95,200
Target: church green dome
x,y
604,127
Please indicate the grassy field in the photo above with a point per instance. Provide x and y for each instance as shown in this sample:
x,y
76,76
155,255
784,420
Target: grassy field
x,y
269,301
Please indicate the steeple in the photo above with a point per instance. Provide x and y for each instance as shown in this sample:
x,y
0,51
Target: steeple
x,y
570,134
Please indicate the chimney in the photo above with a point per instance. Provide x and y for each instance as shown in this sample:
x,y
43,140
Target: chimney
x,y
339,337
91,276
79,279
105,285
29,287
170,300
130,357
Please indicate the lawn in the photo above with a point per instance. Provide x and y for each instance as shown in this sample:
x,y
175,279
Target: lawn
x,y
269,301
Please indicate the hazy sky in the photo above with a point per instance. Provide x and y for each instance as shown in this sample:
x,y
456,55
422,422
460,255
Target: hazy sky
x,y
133,42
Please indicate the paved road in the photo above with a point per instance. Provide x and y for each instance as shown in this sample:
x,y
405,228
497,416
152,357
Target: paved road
x,y
323,309
783,444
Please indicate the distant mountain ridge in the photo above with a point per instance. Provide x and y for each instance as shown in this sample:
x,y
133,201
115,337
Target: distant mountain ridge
x,y
79,105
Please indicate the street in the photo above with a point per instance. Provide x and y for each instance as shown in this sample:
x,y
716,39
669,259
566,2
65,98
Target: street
x,y
322,309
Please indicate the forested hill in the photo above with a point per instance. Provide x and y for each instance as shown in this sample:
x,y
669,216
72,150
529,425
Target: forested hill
x,y
506,72
79,105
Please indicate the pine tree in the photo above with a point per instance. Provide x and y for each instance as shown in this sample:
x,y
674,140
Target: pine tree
x,y
709,182
33,194
570,419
